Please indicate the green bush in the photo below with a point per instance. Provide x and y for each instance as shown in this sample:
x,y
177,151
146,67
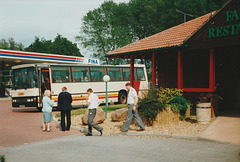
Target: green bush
x,y
149,106
166,95
156,99
180,104
2,158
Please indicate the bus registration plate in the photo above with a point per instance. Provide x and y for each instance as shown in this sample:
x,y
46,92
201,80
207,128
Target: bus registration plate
x,y
21,105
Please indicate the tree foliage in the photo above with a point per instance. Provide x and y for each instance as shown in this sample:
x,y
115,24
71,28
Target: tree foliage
x,y
106,28
10,44
115,25
60,45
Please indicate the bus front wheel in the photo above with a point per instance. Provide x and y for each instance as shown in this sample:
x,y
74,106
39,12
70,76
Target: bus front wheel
x,y
122,97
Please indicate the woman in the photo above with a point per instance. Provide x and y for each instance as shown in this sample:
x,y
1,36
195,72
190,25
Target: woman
x,y
47,110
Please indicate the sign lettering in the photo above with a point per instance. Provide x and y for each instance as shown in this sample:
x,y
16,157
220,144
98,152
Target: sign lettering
x,y
228,29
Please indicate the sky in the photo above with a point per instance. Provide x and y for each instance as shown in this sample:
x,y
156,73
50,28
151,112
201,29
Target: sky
x,y
25,19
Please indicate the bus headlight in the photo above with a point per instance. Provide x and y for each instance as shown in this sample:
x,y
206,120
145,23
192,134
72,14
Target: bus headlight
x,y
31,100
28,100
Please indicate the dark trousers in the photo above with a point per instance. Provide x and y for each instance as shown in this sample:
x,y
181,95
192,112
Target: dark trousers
x,y
91,115
130,115
63,114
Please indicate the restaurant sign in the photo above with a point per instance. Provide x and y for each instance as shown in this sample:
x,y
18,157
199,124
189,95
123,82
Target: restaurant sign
x,y
233,29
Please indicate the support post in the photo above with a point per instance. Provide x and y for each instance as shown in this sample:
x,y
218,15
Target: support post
x,y
180,70
153,69
132,71
212,70
106,102
212,78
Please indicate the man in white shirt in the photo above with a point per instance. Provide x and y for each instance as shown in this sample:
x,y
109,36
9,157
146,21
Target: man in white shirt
x,y
93,103
132,101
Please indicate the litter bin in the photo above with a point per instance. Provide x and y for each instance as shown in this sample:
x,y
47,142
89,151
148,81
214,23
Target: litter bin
x,y
203,112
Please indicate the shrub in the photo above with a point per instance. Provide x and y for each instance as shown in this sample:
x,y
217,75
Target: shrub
x,y
166,95
156,99
180,104
149,106
2,158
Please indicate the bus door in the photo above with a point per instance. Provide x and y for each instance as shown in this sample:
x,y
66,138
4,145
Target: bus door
x,y
43,82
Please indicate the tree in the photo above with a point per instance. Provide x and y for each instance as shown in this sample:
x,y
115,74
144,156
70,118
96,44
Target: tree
x,y
105,29
115,25
60,45
10,44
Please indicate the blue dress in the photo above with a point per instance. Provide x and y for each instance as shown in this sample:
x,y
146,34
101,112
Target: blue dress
x,y
47,109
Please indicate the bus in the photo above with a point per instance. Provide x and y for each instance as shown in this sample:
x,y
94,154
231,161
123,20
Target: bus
x,y
31,80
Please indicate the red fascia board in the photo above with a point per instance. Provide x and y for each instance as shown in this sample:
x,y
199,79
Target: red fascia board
x,y
198,90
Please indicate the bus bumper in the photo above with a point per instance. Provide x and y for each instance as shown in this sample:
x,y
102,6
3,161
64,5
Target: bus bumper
x,y
24,102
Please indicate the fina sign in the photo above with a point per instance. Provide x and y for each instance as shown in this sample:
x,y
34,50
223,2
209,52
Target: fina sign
x,y
91,61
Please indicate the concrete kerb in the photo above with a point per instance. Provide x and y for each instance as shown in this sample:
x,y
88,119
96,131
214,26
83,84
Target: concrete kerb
x,y
144,134
5,98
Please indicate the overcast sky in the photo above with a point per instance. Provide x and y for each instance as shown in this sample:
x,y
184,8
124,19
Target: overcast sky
x,y
25,19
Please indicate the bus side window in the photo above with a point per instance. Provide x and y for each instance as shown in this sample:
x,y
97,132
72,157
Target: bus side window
x,y
80,74
114,73
126,74
140,74
61,74
96,74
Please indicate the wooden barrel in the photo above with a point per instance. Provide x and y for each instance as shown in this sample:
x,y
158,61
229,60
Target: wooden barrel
x,y
203,112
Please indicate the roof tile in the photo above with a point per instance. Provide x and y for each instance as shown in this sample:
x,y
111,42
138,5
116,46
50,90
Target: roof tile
x,y
174,36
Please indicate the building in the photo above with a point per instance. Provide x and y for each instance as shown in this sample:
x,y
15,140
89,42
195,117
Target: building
x,y
9,58
201,56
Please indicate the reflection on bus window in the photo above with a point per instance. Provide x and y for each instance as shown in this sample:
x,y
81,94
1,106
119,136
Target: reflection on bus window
x,y
140,74
80,74
24,78
96,74
126,74
60,74
114,73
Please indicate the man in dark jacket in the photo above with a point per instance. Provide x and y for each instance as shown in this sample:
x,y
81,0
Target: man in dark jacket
x,y
64,104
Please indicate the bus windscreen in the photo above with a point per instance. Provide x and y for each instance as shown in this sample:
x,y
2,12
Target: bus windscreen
x,y
24,78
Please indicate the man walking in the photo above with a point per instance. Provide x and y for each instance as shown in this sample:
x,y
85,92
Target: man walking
x,y
64,104
93,103
132,101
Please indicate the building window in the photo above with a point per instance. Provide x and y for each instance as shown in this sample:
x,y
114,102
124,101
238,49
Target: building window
x,y
196,69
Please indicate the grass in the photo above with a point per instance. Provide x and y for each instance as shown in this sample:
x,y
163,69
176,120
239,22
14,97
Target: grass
x,y
83,110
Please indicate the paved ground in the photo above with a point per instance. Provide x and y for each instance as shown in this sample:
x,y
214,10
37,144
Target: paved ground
x,y
226,129
24,126
115,148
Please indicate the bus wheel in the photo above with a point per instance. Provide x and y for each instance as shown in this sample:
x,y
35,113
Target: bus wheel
x,y
122,97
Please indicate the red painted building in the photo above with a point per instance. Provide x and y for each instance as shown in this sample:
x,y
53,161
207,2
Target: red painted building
x,y
201,56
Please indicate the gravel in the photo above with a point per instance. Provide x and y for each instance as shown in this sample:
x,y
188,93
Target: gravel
x,y
183,128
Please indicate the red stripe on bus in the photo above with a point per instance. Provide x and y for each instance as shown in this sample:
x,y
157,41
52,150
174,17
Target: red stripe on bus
x,y
40,55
